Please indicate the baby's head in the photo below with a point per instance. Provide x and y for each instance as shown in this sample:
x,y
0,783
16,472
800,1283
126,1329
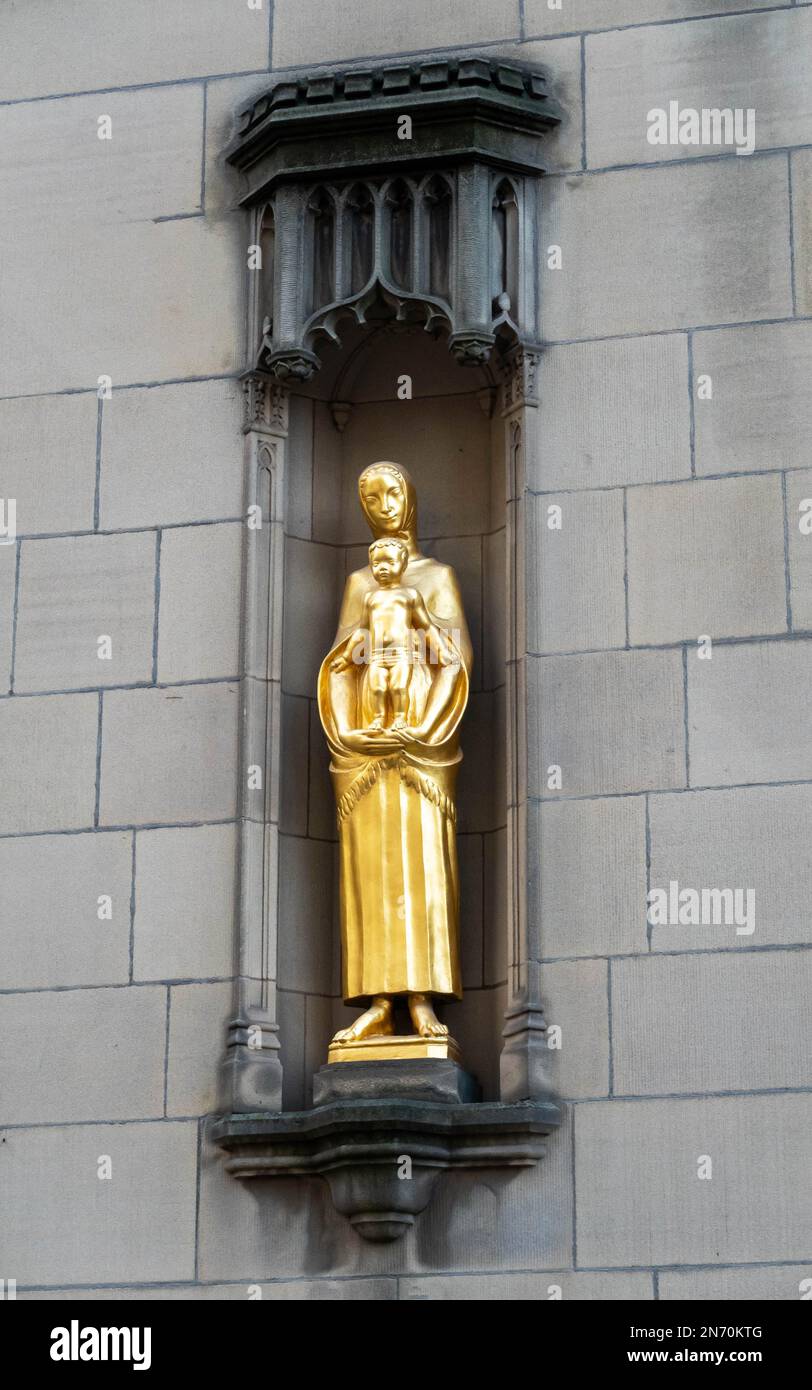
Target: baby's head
x,y
388,560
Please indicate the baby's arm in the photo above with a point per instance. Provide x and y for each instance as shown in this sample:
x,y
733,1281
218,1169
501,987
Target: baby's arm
x,y
344,657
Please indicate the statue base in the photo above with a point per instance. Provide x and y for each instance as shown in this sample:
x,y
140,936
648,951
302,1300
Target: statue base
x,y
379,1122
393,1047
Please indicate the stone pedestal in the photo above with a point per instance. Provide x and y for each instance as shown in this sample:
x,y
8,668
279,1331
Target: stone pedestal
x,y
381,1132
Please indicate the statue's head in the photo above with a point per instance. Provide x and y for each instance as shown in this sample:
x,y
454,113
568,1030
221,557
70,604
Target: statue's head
x,y
389,501
388,558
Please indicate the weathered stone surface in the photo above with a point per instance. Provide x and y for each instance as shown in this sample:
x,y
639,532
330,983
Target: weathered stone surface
x,y
706,558
109,1064
311,573
717,252
8,574
306,909
64,1224
760,414
576,1001
799,509
271,1291
587,15
299,468
602,1286
614,412
312,31
199,627
172,329
578,598
711,1022
751,837
45,50
170,755
757,61
612,721
184,903
430,1079
748,714
765,1284
52,156
172,454
198,1015
801,173
641,1202
48,756
49,461
592,872
74,591
50,887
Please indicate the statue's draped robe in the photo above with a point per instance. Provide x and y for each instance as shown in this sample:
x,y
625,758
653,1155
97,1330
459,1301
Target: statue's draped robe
x,y
396,811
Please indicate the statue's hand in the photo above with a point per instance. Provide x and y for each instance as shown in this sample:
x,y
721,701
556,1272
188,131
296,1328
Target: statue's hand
x,y
413,734
339,663
370,742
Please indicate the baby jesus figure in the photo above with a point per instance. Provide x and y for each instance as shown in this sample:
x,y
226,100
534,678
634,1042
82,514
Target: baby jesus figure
x,y
392,614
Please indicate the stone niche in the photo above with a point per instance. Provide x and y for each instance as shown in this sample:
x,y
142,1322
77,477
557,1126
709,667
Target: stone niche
x,y
393,313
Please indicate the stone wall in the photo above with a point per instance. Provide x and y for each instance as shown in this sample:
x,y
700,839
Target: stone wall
x,y
680,519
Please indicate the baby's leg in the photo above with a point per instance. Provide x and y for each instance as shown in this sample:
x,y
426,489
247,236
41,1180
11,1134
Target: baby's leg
x,y
378,681
399,692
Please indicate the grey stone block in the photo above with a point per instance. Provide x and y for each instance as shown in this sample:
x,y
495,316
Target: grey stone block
x,y
706,558
50,887
764,1284
642,1203
184,903
199,615
131,44
575,997
170,755
801,174
226,97
271,1291
612,721
748,714
312,604
799,508
689,1023
172,454
592,871
586,15
494,908
63,1224
717,252
52,156
312,31
173,331
321,810
760,414
8,573
308,934
327,479
198,1015
73,592
614,412
299,468
431,1079
472,895
494,570
751,837
294,753
561,60
48,756
701,66
38,430
108,1063
577,598
602,1286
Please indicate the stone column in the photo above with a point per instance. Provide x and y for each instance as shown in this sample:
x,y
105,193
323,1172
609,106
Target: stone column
x,y
252,1069
524,1063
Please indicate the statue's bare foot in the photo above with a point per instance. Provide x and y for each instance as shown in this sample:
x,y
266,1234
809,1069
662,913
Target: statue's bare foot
x,y
375,1021
424,1018
399,722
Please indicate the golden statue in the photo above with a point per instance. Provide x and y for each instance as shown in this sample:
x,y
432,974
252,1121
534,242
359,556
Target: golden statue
x,y
392,691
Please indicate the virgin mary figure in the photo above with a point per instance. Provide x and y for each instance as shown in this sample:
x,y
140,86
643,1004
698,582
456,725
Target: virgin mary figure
x,y
395,788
